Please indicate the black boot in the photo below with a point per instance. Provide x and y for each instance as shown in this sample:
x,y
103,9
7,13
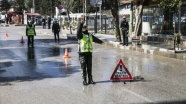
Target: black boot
x,y
85,82
90,81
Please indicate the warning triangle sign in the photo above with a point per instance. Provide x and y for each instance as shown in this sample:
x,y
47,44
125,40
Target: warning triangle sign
x,y
121,72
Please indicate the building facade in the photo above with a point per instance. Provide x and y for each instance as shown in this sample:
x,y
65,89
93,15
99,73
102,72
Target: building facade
x,y
153,18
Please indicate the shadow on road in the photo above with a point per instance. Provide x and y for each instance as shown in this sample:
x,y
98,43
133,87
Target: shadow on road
x,y
115,81
167,102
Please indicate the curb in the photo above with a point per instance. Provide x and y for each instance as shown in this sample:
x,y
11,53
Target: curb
x,y
5,25
152,50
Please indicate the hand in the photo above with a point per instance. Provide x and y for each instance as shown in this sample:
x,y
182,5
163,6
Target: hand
x,y
82,19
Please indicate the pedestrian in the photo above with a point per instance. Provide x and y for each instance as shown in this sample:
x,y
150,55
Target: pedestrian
x,y
85,51
56,30
7,20
33,20
124,28
44,23
49,22
30,33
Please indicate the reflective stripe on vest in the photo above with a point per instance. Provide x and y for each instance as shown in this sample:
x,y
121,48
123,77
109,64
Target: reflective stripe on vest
x,y
86,43
30,30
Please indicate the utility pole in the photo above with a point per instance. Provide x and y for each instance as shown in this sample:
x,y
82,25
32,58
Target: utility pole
x,y
179,20
52,14
85,10
83,6
131,20
33,6
100,15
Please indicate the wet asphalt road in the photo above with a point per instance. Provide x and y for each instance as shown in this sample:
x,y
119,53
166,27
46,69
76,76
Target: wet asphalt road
x,y
42,76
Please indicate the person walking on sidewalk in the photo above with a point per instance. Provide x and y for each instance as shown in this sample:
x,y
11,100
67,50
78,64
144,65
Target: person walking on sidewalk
x,y
44,23
56,30
124,28
49,22
85,40
30,33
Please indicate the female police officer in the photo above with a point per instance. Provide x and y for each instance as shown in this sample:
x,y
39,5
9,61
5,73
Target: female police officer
x,y
85,51
30,33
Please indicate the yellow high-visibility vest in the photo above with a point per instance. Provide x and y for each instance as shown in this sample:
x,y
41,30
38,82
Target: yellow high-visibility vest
x,y
86,43
30,31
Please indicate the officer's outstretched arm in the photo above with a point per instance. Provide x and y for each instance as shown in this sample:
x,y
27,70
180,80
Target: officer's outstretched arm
x,y
34,31
96,40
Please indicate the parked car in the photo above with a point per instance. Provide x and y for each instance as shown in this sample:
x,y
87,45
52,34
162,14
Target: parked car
x,y
2,20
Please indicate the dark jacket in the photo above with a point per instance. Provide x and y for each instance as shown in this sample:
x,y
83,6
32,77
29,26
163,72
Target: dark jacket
x,y
55,28
49,20
124,25
80,34
44,21
30,25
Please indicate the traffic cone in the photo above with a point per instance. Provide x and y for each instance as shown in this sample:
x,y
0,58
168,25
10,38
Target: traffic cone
x,y
66,54
22,41
6,34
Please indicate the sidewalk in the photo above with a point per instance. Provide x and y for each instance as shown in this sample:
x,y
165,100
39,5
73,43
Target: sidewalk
x,y
148,47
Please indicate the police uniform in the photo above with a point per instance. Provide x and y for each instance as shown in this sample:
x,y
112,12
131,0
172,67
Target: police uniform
x,y
30,33
56,30
85,53
124,28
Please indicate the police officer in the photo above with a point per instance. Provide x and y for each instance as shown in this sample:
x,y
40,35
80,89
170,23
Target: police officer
x,y
56,30
124,28
30,33
85,51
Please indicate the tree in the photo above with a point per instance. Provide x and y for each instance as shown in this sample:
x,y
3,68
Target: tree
x,y
44,7
168,6
138,16
105,5
114,10
20,4
67,5
5,5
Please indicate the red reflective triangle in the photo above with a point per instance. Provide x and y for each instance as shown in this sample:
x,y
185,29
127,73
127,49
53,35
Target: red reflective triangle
x,y
121,72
